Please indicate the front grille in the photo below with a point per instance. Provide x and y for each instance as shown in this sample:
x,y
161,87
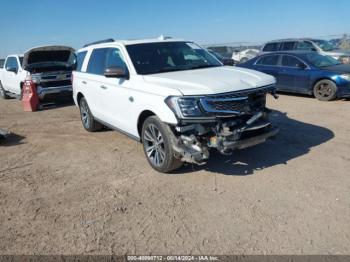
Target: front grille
x,y
56,83
241,102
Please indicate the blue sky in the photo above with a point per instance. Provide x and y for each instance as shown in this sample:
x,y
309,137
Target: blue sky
x,y
38,22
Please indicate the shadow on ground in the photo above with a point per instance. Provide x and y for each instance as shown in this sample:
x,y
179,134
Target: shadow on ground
x,y
295,139
11,140
50,104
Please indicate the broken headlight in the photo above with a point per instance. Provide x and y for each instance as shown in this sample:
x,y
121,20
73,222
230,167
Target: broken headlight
x,y
184,106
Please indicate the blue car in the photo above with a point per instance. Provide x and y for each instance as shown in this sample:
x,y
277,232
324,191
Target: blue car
x,y
305,72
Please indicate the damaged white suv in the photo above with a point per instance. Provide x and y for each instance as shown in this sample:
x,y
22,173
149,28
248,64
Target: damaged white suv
x,y
173,96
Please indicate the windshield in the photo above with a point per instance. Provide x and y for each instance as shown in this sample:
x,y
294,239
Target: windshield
x,y
321,60
152,58
325,45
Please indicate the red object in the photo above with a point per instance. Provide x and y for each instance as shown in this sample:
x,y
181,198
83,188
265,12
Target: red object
x,y
30,98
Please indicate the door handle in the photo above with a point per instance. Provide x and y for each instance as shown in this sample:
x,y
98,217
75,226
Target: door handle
x,y
84,82
103,87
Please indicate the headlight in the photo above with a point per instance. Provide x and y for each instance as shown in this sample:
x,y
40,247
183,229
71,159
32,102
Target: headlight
x,y
184,106
345,76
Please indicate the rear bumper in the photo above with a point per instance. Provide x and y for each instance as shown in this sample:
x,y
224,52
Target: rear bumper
x,y
59,90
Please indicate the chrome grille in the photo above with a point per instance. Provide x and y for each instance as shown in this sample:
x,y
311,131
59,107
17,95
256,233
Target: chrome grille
x,y
241,102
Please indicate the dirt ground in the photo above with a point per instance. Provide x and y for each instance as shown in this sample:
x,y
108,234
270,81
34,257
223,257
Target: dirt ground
x,y
66,191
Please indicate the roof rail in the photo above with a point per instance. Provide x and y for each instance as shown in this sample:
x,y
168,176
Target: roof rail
x,y
108,40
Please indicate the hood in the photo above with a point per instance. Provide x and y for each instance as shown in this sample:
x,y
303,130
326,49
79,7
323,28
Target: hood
x,y
210,81
338,52
341,68
47,54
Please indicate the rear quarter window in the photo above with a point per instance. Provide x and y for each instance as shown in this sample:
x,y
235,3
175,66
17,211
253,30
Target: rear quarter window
x,y
271,47
80,60
2,62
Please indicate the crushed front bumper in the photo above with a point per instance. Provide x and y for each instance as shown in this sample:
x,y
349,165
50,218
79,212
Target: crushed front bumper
x,y
193,142
252,141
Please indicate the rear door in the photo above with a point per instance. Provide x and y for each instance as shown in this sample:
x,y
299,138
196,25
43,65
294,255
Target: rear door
x,y
292,77
92,81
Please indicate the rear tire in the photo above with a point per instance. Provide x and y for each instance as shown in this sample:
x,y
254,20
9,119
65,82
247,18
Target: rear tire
x,y
87,119
158,145
3,94
325,90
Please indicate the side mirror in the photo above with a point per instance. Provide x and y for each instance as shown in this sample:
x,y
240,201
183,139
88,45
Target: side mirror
x,y
228,62
116,72
11,69
301,66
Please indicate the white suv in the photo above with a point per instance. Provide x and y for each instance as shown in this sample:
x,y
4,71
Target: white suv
x,y
173,96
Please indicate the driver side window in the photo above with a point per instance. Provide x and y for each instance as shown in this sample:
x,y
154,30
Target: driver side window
x,y
115,59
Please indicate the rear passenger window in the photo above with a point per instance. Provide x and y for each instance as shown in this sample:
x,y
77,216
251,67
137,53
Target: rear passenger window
x,y
80,60
290,61
288,46
269,60
270,47
97,61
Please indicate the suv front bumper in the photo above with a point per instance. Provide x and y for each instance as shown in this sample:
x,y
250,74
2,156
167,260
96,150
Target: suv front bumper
x,y
59,90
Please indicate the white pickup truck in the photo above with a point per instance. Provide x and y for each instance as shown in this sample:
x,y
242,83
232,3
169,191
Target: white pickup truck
x,y
174,97
50,67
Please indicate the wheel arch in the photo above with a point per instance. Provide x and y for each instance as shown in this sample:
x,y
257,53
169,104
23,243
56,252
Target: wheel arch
x,y
79,97
141,119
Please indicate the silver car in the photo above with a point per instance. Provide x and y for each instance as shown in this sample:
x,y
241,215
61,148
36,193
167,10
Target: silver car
x,y
321,46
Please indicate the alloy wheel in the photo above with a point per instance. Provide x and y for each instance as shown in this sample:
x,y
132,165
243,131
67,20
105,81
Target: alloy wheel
x,y
84,112
154,145
324,90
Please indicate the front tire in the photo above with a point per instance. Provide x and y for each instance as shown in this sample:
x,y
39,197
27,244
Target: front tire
x,y
325,90
157,145
3,94
87,119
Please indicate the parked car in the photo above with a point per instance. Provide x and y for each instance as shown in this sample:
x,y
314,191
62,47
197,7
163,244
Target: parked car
x,y
224,60
174,97
305,72
223,50
50,67
307,44
242,56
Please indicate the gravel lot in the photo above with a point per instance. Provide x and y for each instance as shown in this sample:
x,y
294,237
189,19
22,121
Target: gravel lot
x,y
66,191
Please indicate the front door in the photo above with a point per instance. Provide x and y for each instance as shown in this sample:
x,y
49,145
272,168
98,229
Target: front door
x,y
113,93
11,80
294,75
